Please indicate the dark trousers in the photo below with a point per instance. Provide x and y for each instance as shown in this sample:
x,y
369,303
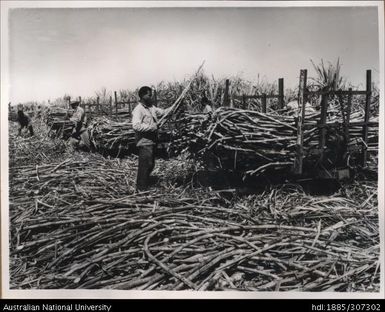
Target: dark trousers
x,y
145,166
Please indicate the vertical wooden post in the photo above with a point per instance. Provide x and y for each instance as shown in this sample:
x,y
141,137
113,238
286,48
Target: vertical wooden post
x,y
98,104
110,106
243,101
69,102
298,163
348,110
226,95
280,93
129,107
367,115
322,123
116,103
264,103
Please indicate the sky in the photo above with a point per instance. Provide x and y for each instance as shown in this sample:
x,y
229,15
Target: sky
x,y
78,51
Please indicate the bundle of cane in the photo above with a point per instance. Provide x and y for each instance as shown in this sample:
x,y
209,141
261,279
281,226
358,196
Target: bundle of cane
x,y
112,137
252,141
58,122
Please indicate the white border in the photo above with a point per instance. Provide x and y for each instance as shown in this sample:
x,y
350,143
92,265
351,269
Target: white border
x,y
120,294
184,4
381,154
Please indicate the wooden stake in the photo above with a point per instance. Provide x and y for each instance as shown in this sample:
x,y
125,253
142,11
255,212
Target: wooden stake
x,y
110,106
367,115
347,121
280,93
116,103
298,163
322,123
264,103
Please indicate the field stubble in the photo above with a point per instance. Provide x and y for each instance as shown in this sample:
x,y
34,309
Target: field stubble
x,y
75,222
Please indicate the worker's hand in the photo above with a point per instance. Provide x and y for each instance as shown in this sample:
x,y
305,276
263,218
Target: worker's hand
x,y
168,110
153,127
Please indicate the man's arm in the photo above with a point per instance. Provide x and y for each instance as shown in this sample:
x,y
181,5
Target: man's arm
x,y
161,112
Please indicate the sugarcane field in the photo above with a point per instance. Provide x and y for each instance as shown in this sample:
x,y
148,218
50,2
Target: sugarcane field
x,y
148,151
227,209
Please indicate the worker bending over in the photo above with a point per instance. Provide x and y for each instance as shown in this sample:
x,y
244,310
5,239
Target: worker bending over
x,y
24,121
80,136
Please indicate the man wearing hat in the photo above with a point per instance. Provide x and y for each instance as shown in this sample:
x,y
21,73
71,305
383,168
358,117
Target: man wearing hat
x,y
79,135
145,119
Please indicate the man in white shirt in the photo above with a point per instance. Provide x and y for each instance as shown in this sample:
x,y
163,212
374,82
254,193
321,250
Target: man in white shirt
x,y
145,118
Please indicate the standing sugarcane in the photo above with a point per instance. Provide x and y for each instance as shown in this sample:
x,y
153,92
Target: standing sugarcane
x,y
179,100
